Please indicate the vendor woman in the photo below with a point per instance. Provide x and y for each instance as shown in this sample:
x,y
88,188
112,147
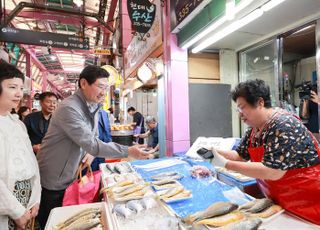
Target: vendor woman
x,y
278,150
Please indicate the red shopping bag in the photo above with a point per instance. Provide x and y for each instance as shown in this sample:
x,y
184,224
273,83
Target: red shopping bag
x,y
85,189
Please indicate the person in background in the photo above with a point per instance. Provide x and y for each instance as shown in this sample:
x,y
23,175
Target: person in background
x,y
138,123
37,123
72,139
23,111
20,188
278,150
153,146
111,116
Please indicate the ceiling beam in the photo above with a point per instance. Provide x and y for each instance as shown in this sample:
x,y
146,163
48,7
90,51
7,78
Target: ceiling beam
x,y
61,19
112,9
22,5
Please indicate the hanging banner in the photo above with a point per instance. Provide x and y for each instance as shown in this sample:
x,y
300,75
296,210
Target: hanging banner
x,y
8,34
138,50
142,14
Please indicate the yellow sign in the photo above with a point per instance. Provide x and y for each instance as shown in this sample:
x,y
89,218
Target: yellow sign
x,y
102,51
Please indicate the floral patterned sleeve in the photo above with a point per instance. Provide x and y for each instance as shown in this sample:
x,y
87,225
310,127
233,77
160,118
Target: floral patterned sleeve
x,y
242,148
288,144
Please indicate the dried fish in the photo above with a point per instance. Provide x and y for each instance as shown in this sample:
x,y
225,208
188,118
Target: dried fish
x,y
128,191
148,202
133,196
216,209
174,177
181,195
159,176
163,182
171,192
84,224
110,167
252,224
267,212
122,210
222,220
259,205
166,186
135,205
87,213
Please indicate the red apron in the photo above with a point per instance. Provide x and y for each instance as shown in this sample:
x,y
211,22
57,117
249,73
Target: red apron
x,y
298,191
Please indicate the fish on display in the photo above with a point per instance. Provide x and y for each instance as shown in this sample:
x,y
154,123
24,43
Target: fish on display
x,y
80,217
159,176
171,192
216,209
252,224
135,205
267,212
164,182
131,190
122,210
173,177
223,220
110,168
182,195
148,202
257,205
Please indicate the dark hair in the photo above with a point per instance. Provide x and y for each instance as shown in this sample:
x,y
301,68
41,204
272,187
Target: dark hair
x,y
21,110
131,109
91,73
111,110
43,95
251,91
8,71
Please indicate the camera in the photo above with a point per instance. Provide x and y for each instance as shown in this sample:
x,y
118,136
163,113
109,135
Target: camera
x,y
305,89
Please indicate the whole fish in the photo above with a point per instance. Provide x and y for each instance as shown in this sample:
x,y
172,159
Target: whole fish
x,y
219,221
128,191
267,212
110,168
252,224
174,177
181,195
92,212
84,224
122,210
216,209
164,174
148,202
163,182
171,192
260,205
132,196
135,205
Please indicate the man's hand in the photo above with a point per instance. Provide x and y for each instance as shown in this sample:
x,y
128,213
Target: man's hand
x,y
88,158
218,160
23,220
34,210
36,148
137,153
314,97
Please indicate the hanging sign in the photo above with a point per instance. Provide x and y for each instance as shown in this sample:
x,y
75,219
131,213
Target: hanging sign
x,y
102,51
142,14
9,34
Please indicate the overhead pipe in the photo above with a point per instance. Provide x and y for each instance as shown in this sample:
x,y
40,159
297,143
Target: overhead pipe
x,y
22,5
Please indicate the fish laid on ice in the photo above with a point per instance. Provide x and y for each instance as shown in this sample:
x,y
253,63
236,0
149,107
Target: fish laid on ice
x,y
135,205
252,224
216,209
164,174
148,202
219,221
122,210
259,205
110,168
267,212
119,168
167,223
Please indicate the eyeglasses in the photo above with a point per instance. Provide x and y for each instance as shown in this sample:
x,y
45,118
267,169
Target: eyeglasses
x,y
240,109
102,87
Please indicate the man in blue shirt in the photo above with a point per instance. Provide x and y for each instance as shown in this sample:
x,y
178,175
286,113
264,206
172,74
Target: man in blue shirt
x,y
37,123
153,134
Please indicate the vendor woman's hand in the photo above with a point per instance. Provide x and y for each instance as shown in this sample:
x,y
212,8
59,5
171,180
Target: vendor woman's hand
x,y
88,158
137,153
218,160
23,220
314,97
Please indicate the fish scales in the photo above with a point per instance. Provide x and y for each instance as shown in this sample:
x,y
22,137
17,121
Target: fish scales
x,y
260,205
267,212
221,220
252,224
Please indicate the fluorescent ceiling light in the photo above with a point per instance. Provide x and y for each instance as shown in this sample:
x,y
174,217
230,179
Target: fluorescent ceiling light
x,y
269,5
230,9
228,30
243,4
